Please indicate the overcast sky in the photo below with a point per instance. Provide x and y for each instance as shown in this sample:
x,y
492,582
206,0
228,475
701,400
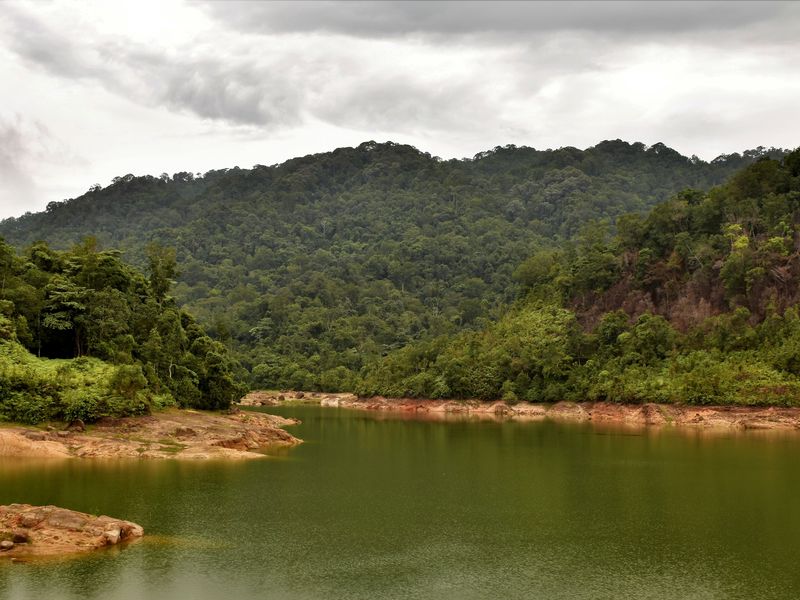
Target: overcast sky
x,y
95,90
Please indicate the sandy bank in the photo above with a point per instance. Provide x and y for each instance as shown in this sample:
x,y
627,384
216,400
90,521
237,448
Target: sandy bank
x,y
174,434
30,531
717,417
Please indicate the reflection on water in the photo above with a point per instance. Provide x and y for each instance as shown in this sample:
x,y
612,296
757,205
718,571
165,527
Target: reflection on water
x,y
375,506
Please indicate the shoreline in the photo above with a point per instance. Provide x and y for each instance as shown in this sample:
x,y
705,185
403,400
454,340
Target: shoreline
x,y
172,434
731,418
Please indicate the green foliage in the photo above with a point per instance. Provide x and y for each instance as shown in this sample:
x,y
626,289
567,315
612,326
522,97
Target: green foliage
x,y
695,303
385,270
331,261
75,308
526,354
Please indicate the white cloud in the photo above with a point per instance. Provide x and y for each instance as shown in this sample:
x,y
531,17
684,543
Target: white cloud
x,y
172,86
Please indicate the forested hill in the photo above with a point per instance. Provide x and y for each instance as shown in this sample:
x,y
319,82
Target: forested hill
x,y
697,302
312,267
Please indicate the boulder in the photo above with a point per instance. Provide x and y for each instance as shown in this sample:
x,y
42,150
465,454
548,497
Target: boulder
x,y
112,536
30,519
77,425
20,537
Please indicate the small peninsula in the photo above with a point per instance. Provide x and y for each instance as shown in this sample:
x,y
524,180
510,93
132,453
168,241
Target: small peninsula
x,y
168,434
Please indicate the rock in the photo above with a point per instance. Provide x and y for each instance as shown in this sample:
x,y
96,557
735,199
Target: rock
x,y
20,537
758,424
281,397
300,395
112,536
568,411
51,530
652,414
501,408
235,443
35,436
63,434
77,425
31,519
185,432
66,519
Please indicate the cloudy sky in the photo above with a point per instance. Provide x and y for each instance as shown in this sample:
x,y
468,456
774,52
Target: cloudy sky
x,y
92,90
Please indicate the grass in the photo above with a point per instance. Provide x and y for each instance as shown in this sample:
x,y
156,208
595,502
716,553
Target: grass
x,y
172,448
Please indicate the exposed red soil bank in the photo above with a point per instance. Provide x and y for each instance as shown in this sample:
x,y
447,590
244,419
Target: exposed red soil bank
x,y
730,417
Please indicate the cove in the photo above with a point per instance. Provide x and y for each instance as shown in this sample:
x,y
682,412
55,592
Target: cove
x,y
382,506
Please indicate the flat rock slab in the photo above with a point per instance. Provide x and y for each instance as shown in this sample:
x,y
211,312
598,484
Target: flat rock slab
x,y
30,531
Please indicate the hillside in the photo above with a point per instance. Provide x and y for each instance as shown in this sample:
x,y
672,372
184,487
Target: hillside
x,y
311,269
696,302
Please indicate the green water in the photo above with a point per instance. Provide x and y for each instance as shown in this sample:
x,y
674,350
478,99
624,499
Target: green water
x,y
375,507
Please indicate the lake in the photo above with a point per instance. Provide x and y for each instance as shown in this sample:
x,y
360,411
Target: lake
x,y
378,507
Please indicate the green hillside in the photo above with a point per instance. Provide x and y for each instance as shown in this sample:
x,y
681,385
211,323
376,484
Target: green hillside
x,y
696,302
314,268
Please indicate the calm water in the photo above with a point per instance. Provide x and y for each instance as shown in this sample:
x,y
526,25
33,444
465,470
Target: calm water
x,y
374,508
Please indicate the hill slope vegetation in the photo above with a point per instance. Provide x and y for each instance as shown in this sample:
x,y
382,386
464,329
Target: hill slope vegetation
x,y
312,269
84,336
697,302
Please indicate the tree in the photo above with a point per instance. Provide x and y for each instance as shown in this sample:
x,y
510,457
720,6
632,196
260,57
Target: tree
x,y
162,267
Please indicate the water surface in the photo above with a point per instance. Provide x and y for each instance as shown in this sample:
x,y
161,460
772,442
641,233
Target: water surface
x,y
375,507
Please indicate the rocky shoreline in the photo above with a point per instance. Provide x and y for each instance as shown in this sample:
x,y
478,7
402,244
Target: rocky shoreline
x,y
608,413
173,434
35,531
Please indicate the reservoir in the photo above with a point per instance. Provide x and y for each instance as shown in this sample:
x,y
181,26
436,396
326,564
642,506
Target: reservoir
x,y
374,506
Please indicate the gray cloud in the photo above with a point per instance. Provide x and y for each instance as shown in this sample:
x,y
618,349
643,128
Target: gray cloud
x,y
248,93
44,46
271,82
270,87
17,188
452,79
27,147
215,85
399,18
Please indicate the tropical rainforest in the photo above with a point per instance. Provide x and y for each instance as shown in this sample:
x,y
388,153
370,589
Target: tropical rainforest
x,y
695,302
621,272
84,336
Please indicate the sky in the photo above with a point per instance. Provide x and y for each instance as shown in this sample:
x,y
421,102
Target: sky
x,y
94,90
